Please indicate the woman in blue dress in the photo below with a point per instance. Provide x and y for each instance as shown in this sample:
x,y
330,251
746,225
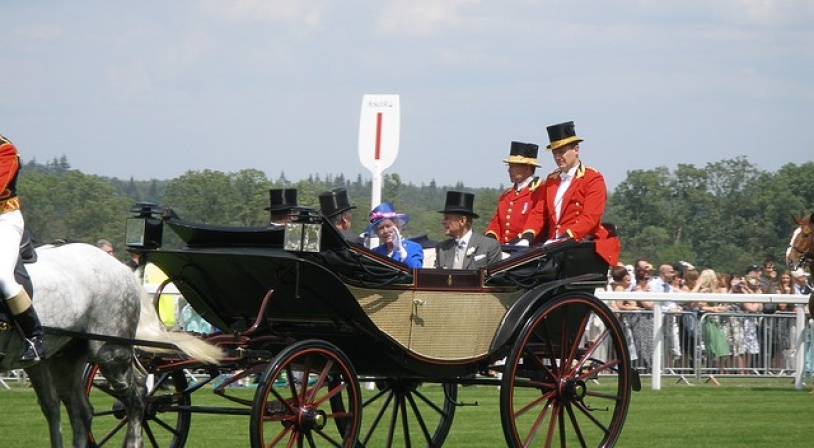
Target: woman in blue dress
x,y
387,224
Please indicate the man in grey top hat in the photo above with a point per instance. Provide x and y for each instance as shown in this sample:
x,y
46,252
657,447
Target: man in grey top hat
x,y
464,249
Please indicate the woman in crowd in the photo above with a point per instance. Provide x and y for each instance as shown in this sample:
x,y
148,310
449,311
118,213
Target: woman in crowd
x,y
620,279
748,356
691,277
620,282
387,224
785,286
723,283
715,342
782,322
641,322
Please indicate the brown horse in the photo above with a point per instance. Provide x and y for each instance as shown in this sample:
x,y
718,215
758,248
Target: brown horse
x,y
801,249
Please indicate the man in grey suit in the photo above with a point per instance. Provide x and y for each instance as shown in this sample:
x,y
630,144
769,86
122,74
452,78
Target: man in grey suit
x,y
464,249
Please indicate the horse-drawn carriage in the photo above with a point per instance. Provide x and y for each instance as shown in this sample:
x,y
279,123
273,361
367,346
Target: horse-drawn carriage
x,y
310,317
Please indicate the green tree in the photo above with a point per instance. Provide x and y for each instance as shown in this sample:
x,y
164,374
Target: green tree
x,y
73,206
251,195
205,197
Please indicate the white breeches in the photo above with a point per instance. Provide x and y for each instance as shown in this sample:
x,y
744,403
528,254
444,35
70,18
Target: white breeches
x,y
11,231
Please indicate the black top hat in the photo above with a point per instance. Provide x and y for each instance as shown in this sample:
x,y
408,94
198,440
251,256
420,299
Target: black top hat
x,y
460,202
282,199
562,134
525,153
333,202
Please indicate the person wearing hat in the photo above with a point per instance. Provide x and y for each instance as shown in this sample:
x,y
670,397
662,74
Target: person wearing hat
x,y
12,225
513,221
281,201
800,281
575,196
387,224
336,208
464,249
751,279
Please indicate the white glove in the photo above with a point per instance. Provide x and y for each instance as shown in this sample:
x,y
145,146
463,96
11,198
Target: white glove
x,y
522,243
398,245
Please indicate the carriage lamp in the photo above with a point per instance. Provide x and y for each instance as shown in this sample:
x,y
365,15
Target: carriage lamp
x,y
144,230
303,232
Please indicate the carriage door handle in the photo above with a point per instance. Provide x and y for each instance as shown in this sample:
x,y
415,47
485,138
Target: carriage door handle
x,y
417,303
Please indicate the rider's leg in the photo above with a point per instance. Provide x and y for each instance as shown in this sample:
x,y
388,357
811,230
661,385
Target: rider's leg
x,y
25,315
12,226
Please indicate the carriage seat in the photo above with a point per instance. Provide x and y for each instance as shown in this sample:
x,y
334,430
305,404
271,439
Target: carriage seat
x,y
560,260
360,266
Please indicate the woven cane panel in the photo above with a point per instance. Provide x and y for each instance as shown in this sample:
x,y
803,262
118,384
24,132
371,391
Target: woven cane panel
x,y
440,325
389,310
455,326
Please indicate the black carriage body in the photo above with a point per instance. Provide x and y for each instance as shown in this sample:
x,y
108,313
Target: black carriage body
x,y
390,320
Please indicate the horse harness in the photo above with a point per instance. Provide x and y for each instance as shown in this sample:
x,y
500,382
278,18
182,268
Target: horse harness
x,y
805,251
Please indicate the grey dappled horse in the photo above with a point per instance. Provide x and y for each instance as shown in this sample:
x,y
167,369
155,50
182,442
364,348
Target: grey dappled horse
x,y
81,288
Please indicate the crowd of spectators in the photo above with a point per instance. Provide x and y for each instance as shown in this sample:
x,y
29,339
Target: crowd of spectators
x,y
725,337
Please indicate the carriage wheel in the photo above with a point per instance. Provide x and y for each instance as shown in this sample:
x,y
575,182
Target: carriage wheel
x,y
165,423
401,411
292,405
566,384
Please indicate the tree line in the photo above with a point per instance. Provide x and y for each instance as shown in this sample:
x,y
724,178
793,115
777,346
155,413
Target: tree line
x,y
725,215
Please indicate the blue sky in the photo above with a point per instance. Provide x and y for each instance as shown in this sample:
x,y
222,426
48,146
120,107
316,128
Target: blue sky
x,y
152,89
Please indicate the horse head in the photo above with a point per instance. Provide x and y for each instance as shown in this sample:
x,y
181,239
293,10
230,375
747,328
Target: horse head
x,y
800,248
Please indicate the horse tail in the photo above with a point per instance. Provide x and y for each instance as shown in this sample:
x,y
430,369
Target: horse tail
x,y
150,328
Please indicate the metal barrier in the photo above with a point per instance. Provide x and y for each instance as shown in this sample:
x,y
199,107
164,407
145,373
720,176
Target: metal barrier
x,y
710,345
17,375
688,344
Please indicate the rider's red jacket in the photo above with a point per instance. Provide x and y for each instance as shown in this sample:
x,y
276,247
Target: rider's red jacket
x,y
9,167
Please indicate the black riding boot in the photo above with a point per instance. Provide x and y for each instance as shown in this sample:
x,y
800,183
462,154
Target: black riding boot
x,y
29,322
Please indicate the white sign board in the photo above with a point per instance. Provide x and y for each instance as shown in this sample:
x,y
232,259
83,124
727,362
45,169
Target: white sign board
x,y
379,132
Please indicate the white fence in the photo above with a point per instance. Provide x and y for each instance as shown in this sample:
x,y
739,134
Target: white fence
x,y
798,339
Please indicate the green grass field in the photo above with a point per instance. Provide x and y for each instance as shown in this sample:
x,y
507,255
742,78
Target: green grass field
x,y
739,413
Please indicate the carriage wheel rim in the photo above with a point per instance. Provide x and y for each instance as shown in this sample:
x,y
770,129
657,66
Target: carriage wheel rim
x,y
174,433
564,401
294,412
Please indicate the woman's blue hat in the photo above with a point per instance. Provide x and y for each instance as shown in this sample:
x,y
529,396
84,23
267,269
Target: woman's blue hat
x,y
383,211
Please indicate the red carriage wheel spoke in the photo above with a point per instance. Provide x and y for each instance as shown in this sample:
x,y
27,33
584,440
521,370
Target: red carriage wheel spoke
x,y
546,394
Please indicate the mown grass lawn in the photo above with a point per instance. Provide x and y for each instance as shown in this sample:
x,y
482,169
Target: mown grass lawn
x,y
739,413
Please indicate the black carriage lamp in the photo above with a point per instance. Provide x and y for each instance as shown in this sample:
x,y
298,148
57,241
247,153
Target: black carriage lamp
x,y
303,231
145,229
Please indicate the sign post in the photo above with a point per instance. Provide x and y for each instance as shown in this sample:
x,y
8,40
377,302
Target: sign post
x,y
379,129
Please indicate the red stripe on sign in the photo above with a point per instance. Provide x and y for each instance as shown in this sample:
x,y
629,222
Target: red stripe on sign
x,y
378,154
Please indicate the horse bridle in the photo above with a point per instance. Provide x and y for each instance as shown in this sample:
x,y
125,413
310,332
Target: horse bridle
x,y
806,255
